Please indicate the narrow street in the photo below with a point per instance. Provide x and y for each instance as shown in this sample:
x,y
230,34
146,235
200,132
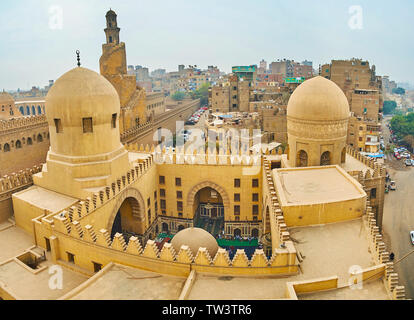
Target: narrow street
x,y
398,218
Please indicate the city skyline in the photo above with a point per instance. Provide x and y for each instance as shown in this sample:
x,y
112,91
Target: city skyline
x,y
164,35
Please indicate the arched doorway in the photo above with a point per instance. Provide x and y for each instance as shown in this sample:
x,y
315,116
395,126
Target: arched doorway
x,y
255,232
209,210
237,232
180,227
326,158
164,227
128,219
302,159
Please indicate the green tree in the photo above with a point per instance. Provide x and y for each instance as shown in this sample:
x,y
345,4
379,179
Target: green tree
x,y
178,95
399,91
389,107
201,93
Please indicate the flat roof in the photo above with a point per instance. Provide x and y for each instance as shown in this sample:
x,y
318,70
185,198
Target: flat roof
x,y
313,185
45,199
120,282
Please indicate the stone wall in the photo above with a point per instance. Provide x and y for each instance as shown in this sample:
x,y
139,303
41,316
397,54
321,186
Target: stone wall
x,y
144,133
24,142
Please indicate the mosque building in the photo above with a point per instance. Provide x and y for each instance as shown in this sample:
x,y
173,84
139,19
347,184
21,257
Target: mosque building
x,y
97,206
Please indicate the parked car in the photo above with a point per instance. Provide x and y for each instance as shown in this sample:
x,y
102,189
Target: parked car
x,y
412,162
412,237
407,162
393,186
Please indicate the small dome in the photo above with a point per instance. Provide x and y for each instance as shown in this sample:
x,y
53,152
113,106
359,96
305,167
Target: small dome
x,y
195,238
6,98
318,99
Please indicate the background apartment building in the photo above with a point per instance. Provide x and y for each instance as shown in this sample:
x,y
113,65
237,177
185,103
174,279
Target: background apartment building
x,y
363,89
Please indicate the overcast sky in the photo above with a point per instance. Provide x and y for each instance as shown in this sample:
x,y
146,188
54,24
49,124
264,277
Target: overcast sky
x,y
37,46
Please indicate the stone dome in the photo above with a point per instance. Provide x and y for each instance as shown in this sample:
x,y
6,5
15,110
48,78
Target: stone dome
x,y
318,99
80,97
195,238
6,99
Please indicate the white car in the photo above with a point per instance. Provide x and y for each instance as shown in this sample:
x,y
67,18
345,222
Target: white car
x,y
412,236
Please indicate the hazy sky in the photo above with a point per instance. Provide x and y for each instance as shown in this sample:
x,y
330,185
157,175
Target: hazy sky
x,y
166,33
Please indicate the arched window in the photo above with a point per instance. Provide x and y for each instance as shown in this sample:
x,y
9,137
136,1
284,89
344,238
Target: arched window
x,y
343,155
326,158
33,110
255,233
39,138
21,110
6,147
39,110
27,110
18,144
302,159
29,141
237,232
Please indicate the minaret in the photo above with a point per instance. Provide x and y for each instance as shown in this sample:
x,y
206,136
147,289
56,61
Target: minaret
x,y
111,30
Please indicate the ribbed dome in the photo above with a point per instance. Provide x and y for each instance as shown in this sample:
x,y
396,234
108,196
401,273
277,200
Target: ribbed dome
x,y
318,99
195,238
6,98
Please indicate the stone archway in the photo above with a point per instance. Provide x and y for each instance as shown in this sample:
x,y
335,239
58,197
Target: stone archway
x,y
193,191
128,213
237,232
255,233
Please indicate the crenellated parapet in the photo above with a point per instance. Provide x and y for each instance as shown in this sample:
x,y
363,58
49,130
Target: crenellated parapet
x,y
280,233
208,156
134,133
282,261
19,123
18,180
378,169
381,255
98,199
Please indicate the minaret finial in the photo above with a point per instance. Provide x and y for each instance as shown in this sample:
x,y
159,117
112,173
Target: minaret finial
x,y
78,57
